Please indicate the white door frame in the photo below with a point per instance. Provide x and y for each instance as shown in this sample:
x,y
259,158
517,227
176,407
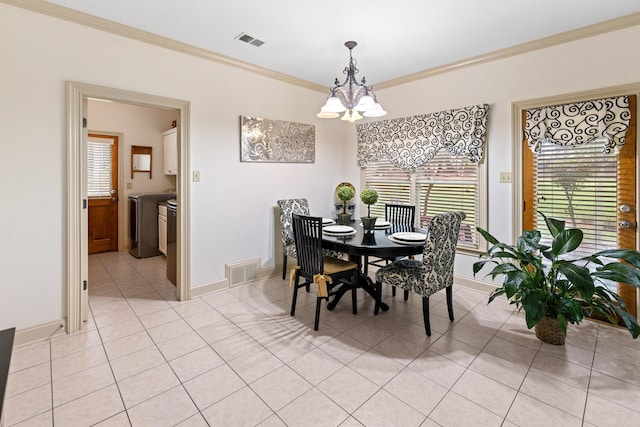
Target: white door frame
x,y
77,251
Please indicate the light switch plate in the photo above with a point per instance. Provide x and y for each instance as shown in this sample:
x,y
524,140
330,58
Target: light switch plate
x,y
505,177
196,176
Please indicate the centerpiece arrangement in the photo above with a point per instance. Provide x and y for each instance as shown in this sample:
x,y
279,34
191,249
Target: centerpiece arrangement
x,y
553,287
368,196
345,193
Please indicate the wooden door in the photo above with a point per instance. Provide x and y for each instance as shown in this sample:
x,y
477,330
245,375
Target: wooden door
x,y
102,171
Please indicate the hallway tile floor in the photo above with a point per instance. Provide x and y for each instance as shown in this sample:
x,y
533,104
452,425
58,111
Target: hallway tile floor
x,y
237,358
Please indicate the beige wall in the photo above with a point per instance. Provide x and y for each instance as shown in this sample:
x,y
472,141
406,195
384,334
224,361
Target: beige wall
x,y
232,207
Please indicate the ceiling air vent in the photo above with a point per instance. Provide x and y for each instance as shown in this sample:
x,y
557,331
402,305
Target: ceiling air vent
x,y
248,39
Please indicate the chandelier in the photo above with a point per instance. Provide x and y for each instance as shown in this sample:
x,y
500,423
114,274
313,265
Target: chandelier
x,y
351,97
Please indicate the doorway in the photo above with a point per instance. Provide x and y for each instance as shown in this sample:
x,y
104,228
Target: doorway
x,y
77,193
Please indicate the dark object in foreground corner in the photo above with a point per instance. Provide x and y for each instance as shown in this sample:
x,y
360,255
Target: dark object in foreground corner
x,y
6,346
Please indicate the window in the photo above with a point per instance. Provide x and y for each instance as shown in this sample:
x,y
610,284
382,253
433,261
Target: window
x,y
444,184
578,184
99,167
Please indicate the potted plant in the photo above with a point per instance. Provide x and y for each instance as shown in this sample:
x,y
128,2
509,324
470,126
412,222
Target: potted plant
x,y
554,288
345,194
368,196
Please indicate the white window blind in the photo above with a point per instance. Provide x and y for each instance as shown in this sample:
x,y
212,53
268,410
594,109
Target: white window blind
x,y
450,183
99,168
579,185
446,183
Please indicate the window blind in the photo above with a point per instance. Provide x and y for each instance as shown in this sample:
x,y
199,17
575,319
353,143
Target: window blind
x,y
446,183
99,168
578,184
450,183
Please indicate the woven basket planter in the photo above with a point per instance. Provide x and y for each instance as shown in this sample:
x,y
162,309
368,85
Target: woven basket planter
x,y
548,330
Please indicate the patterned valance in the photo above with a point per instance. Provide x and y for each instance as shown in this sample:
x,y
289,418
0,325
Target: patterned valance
x,y
412,141
579,123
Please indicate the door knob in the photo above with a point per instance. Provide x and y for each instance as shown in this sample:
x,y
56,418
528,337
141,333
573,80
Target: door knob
x,y
624,224
625,208
114,199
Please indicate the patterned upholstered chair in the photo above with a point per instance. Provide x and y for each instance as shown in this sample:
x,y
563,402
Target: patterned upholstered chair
x,y
330,274
434,272
402,218
287,208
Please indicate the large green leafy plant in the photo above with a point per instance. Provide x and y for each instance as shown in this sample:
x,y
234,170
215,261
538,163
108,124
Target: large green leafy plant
x,y
545,281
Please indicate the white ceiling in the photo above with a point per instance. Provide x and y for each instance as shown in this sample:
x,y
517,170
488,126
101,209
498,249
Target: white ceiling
x,y
305,38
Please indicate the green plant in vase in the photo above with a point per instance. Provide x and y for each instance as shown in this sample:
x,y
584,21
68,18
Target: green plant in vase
x,y
345,194
555,288
368,196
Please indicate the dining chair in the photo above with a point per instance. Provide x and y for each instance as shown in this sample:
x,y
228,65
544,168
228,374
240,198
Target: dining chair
x,y
327,272
287,208
434,272
402,218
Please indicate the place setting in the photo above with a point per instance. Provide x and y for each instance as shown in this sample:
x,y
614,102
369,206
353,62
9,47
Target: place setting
x,y
327,221
408,238
381,224
338,230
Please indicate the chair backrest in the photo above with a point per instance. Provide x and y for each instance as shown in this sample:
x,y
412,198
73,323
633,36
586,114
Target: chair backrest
x,y
288,207
307,233
440,249
402,216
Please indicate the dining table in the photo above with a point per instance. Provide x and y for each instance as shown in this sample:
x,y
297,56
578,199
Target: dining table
x,y
361,244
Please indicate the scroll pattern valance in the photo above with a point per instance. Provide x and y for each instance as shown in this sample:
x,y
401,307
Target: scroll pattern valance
x,y
412,141
579,123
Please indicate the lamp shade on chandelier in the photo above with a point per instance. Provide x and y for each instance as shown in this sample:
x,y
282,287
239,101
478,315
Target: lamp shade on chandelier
x,y
351,97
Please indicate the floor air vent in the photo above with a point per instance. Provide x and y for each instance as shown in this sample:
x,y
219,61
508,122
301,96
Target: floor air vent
x,y
242,272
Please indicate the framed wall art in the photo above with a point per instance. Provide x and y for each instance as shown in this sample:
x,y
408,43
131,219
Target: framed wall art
x,y
276,141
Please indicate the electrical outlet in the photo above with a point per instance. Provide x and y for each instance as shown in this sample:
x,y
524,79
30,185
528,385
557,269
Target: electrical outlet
x,y
196,176
505,177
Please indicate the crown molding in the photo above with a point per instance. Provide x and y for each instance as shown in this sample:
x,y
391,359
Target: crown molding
x,y
81,18
557,39
102,24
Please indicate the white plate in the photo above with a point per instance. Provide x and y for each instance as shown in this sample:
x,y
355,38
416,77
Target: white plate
x,y
405,242
380,224
409,237
350,233
338,229
327,221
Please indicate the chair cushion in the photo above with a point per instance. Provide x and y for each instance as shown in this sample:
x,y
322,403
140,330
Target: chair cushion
x,y
335,265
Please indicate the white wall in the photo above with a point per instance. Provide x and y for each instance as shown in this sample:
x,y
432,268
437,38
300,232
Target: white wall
x,y
232,208
135,125
598,62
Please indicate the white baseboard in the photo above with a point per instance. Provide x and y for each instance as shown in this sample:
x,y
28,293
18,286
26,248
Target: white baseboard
x,y
39,333
473,284
208,288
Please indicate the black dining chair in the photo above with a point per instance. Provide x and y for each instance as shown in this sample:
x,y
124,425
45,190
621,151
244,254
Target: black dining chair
x,y
327,272
434,272
402,218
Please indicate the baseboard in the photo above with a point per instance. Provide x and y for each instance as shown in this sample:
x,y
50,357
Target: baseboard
x,y
39,333
474,284
208,288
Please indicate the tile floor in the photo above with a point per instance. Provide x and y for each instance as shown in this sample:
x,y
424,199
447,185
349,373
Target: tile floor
x,y
237,358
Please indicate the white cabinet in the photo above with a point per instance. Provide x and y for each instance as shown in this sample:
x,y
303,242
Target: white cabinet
x,y
170,151
162,228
